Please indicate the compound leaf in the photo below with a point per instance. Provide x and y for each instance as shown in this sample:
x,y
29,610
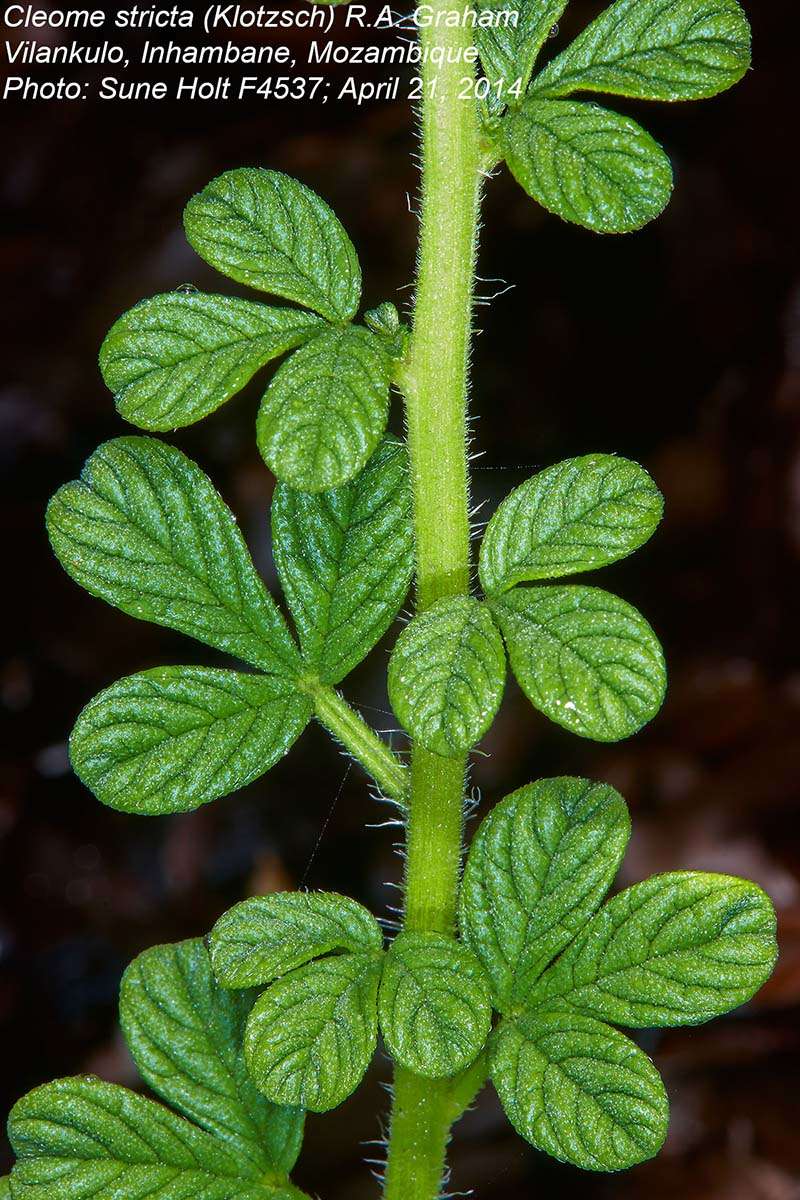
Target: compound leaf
x,y
267,230
173,738
176,358
538,867
311,1035
678,949
579,1091
326,408
345,558
82,1139
587,165
575,516
144,529
681,50
583,657
185,1034
433,1004
446,675
508,52
266,936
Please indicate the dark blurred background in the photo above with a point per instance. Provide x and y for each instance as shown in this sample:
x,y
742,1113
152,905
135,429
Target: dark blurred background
x,y
678,346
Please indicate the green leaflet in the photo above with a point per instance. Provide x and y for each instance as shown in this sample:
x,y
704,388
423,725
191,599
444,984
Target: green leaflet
x,y
173,738
266,936
326,408
679,50
446,675
345,558
538,867
185,1034
5,1188
433,1004
274,234
311,1035
587,165
677,949
82,1139
583,657
174,359
508,53
579,1090
144,529
575,516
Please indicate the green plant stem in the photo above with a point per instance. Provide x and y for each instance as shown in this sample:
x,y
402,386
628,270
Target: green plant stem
x,y
434,382
345,724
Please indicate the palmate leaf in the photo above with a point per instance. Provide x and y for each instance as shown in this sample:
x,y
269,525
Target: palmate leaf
x,y
678,949
144,529
583,657
433,1004
579,1090
173,738
446,675
326,409
345,558
654,50
185,1034
575,516
586,164
266,936
267,230
82,1139
175,358
508,52
538,868
311,1035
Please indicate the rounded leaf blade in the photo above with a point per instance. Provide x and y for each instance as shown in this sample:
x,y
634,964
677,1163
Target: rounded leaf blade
x,y
175,358
586,659
326,409
311,1035
269,231
185,1034
538,868
433,1004
144,529
173,738
575,516
677,949
345,558
266,936
587,165
685,50
580,1091
447,675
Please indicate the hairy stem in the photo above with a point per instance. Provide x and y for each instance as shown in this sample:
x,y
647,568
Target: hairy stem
x,y
434,381
349,728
